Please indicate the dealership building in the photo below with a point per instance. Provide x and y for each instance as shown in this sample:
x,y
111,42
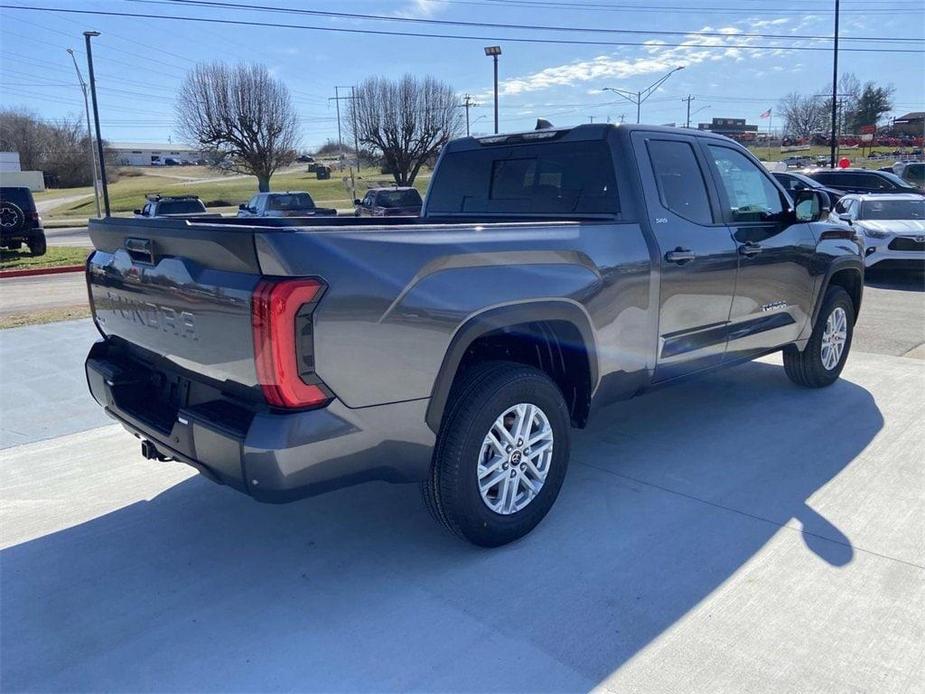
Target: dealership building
x,y
151,153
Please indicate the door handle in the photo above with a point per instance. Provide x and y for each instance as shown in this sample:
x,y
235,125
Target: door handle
x,y
749,249
680,256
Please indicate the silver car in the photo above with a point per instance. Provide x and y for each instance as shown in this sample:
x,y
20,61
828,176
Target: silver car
x,y
892,227
288,204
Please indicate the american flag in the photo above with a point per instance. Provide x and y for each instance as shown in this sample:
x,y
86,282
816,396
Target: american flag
x,y
766,114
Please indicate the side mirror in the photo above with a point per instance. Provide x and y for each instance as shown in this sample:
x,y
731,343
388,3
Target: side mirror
x,y
243,206
356,201
811,205
136,211
845,218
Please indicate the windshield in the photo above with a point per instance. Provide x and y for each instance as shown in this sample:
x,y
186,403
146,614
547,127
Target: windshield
x,y
291,201
893,209
897,180
914,173
398,198
180,207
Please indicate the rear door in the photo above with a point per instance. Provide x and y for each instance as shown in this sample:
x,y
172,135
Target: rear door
x,y
698,258
774,289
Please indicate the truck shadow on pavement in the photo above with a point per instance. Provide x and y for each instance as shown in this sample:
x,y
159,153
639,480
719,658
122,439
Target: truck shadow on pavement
x,y
202,589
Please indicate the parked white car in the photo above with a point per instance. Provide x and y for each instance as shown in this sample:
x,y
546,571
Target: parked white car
x,y
891,225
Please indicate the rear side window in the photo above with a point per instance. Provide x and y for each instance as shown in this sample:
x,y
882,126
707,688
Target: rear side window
x,y
555,178
681,187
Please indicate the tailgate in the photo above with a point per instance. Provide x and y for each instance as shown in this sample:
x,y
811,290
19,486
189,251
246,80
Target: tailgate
x,y
179,291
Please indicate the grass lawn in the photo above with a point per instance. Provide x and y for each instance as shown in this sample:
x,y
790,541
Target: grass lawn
x,y
128,193
55,257
854,155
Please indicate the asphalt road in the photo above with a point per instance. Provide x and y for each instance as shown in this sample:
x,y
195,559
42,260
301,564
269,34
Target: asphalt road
x,y
68,236
39,292
734,533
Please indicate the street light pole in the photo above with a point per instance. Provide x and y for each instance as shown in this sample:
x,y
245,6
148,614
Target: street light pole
x,y
834,142
96,118
639,97
83,88
494,52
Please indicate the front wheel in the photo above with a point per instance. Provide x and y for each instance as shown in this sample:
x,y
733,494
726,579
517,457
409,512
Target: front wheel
x,y
822,360
501,454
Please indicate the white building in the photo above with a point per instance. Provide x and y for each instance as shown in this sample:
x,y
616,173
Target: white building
x,y
11,173
152,153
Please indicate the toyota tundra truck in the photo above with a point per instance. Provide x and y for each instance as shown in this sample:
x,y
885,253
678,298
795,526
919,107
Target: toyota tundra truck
x,y
551,272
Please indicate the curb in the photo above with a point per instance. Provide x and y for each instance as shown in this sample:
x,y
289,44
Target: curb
x,y
29,272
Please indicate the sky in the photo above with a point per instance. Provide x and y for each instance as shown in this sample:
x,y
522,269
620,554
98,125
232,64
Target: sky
x,y
141,61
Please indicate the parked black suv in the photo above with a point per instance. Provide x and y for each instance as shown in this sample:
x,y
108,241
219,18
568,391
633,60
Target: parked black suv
x,y
862,181
19,221
795,182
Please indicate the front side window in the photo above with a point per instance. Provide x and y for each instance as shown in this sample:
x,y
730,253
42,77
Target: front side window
x,y
680,183
752,197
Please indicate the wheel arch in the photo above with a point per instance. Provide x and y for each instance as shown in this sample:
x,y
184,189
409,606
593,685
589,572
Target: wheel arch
x,y
553,335
847,273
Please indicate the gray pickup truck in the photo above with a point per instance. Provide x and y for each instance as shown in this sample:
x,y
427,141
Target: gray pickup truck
x,y
551,273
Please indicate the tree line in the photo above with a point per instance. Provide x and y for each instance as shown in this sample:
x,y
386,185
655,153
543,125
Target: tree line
x,y
857,105
60,149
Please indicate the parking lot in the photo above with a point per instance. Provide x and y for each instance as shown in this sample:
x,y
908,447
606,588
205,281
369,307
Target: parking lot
x,y
734,533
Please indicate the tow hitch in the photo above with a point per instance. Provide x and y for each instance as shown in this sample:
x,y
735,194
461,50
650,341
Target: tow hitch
x,y
150,452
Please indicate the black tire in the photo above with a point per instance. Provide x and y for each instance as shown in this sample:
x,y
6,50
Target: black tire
x,y
37,246
806,368
452,493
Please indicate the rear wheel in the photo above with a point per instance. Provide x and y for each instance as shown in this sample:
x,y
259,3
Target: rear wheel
x,y
501,454
37,246
822,360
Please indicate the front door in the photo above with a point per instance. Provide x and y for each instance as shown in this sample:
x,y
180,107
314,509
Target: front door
x,y
698,258
775,285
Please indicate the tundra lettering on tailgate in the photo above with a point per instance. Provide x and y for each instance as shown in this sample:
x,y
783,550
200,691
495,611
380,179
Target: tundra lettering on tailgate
x,y
151,315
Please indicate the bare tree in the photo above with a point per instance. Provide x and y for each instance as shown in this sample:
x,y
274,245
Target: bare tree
x,y
242,114
803,115
407,120
59,148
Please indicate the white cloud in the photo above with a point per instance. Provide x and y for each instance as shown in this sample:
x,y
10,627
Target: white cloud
x,y
417,9
658,58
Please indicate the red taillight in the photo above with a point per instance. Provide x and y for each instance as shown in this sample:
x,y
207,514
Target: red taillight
x,y
281,316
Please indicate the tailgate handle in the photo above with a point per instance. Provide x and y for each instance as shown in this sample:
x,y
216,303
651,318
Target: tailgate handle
x,y
140,250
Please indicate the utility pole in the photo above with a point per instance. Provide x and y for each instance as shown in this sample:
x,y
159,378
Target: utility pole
x,y
336,100
622,116
638,97
834,142
590,119
356,134
688,99
467,104
96,118
83,88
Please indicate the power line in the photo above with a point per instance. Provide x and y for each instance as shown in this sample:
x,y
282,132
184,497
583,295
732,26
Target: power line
x,y
611,7
459,37
497,25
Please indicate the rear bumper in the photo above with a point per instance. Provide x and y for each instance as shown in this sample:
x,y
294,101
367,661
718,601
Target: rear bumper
x,y
23,236
272,456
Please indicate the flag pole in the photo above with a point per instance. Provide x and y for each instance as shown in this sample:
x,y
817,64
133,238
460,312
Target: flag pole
x,y
770,120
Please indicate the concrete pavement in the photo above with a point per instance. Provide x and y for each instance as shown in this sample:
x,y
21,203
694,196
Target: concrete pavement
x,y
733,534
68,236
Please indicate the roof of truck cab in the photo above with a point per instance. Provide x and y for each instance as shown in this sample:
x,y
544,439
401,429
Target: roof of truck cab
x,y
587,131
